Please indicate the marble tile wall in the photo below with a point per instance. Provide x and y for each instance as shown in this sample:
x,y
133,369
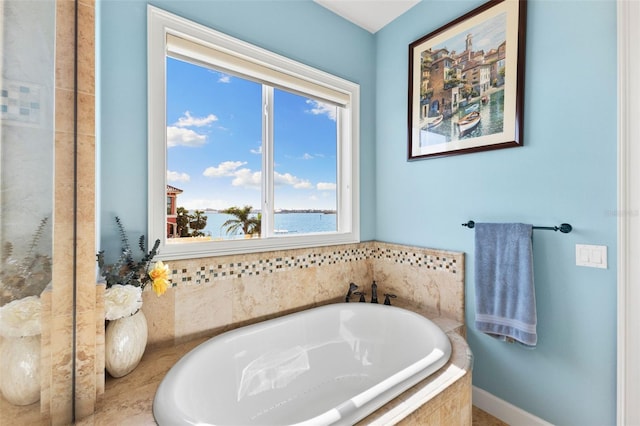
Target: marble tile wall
x,y
58,401
74,260
88,314
426,278
453,406
211,294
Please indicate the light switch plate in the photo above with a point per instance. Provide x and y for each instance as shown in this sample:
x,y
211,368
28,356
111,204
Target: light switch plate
x,y
591,256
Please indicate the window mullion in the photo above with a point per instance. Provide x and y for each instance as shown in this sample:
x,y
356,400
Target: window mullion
x,y
267,162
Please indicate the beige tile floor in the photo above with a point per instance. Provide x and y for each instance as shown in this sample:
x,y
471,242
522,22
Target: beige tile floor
x,y
482,418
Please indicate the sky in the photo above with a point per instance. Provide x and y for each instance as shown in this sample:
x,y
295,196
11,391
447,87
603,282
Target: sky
x,y
486,36
214,142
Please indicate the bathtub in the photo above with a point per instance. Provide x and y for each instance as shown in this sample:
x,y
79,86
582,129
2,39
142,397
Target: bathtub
x,y
331,365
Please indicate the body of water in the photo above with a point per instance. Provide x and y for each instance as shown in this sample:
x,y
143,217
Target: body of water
x,y
285,224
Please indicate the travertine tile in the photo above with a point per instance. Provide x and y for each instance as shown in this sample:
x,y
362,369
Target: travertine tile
x,y
85,377
64,115
430,279
129,400
261,285
212,294
21,415
65,34
86,47
201,309
482,418
160,314
61,385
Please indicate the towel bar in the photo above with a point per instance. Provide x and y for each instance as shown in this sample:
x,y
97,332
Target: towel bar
x,y
564,228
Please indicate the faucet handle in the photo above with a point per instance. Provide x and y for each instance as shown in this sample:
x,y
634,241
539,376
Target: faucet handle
x,y
362,294
388,296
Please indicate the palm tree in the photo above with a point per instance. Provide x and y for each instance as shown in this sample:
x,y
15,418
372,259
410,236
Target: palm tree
x,y
182,222
255,225
197,222
242,220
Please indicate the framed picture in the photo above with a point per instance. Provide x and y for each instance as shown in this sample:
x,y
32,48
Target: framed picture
x,y
466,83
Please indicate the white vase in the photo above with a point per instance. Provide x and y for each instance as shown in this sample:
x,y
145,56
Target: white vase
x,y
125,342
20,369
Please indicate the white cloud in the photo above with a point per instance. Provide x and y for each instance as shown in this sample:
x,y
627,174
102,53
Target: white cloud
x,y
226,168
307,156
320,108
224,78
187,120
326,186
177,136
248,179
177,177
288,179
257,151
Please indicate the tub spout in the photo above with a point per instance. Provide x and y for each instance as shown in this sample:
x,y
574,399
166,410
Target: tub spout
x,y
361,294
352,288
374,292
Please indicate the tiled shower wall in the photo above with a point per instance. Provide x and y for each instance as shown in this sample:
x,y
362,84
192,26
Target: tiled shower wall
x,y
71,323
212,294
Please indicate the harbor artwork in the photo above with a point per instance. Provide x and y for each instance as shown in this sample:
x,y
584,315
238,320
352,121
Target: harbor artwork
x,y
465,83
482,116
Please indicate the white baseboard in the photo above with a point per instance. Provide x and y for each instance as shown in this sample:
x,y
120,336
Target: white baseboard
x,y
503,410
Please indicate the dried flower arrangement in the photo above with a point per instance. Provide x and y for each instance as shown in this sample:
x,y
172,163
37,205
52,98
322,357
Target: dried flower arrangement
x,y
126,278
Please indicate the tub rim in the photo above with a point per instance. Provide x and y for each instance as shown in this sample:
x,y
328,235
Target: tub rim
x,y
396,394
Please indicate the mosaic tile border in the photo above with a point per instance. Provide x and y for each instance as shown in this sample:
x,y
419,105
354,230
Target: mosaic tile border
x,y
438,262
257,264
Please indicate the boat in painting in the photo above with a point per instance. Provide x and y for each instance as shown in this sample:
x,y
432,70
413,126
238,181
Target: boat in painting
x,y
433,122
469,122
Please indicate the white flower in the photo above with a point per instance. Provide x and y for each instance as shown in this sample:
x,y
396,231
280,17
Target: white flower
x,y
21,317
122,301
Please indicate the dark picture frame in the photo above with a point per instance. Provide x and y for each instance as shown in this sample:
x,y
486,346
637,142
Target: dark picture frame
x,y
466,83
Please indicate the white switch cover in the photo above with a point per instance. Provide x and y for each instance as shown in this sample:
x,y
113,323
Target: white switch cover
x,y
592,256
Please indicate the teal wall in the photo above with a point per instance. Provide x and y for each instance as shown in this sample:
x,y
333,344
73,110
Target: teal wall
x,y
565,172
298,29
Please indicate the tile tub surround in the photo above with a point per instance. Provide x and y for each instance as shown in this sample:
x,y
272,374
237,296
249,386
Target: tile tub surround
x,y
210,295
441,399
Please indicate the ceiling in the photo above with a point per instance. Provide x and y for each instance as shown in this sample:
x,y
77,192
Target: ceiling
x,y
372,15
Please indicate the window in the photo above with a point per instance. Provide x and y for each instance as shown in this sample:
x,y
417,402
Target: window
x,y
264,149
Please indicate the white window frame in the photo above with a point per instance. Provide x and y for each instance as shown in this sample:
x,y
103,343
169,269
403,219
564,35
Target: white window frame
x,y
161,26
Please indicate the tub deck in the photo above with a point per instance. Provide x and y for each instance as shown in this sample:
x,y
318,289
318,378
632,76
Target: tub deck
x,y
128,400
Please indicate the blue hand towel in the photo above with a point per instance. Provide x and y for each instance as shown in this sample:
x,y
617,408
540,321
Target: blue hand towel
x,y
505,295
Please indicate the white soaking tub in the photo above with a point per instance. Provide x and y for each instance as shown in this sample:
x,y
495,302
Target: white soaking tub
x,y
331,365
